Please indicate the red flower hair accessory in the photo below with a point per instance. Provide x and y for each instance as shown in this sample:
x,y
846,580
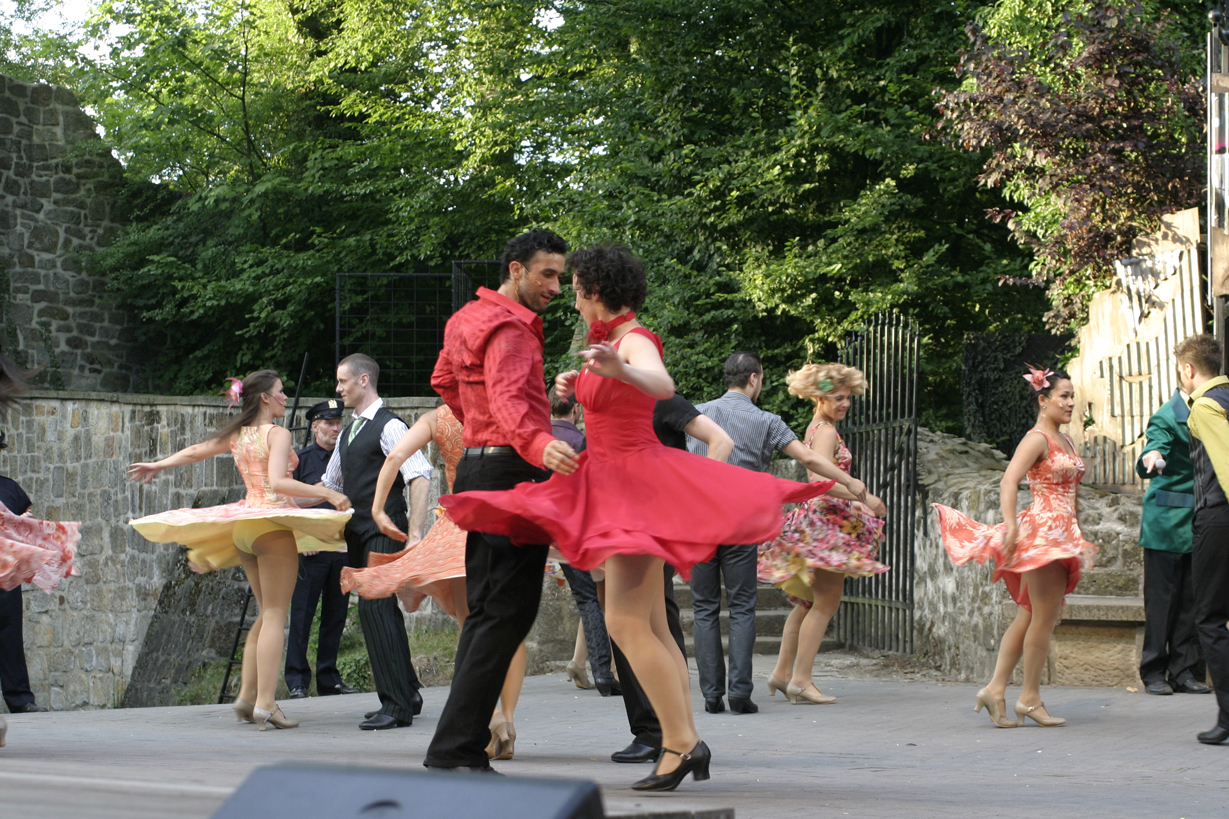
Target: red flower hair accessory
x,y
233,393
599,331
1039,379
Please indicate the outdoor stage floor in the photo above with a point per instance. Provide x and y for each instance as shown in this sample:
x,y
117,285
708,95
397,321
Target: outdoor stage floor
x,y
888,748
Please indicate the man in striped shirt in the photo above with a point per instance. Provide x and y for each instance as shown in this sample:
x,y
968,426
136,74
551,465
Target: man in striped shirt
x,y
757,435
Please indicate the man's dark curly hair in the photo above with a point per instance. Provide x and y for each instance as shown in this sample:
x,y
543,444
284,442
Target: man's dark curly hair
x,y
611,272
521,249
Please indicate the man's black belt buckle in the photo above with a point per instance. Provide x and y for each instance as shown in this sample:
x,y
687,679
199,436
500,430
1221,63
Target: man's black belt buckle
x,y
479,451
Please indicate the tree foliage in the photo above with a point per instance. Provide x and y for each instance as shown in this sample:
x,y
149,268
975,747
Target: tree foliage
x,y
1094,128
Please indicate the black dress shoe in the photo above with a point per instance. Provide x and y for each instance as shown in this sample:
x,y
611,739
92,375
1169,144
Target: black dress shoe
x,y
298,693
382,722
333,690
28,708
695,763
1214,737
636,752
416,703
609,687
713,705
370,714
1158,687
1191,687
740,705
465,769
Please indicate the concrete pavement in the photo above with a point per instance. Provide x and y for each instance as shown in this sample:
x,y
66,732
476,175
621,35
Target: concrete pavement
x,y
888,748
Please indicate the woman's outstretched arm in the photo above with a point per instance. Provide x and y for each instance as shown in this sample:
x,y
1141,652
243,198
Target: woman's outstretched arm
x,y
419,435
196,453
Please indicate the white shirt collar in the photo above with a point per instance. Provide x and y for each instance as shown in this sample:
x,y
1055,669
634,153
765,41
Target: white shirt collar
x,y
372,409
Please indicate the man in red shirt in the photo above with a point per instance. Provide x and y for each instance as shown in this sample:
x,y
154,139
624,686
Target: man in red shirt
x,y
490,373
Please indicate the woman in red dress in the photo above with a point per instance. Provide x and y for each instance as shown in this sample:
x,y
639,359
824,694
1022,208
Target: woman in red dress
x,y
634,503
1039,553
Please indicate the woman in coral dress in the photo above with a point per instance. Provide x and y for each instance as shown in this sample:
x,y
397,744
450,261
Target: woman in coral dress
x,y
633,502
824,540
41,552
435,565
1039,553
264,532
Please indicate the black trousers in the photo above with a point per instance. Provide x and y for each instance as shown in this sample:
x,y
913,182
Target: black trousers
x,y
503,585
1171,651
641,717
1210,574
597,640
388,645
319,584
14,678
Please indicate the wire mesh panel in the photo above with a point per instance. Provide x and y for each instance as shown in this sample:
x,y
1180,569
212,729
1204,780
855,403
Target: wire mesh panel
x,y
881,432
398,319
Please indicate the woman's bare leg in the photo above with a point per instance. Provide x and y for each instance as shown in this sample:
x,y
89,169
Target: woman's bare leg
x,y
1046,587
278,565
827,588
247,671
789,644
510,694
580,653
1010,649
634,588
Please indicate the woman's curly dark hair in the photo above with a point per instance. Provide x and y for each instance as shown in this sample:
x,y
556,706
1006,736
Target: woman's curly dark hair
x,y
1056,375
612,273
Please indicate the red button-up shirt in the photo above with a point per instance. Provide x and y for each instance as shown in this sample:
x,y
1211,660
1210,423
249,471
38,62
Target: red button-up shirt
x,y
490,373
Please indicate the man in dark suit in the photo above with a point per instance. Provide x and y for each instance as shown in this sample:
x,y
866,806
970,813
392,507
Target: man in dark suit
x,y
355,465
319,575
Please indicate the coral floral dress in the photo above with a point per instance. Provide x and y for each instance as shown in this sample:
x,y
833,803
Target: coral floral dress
x,y
632,494
215,534
425,568
1047,531
823,533
41,552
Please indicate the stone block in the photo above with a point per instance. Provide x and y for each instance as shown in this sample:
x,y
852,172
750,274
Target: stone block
x,y
1095,655
65,184
65,216
42,95
43,238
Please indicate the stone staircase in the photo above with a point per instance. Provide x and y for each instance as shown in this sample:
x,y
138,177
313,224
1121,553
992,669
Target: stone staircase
x,y
771,610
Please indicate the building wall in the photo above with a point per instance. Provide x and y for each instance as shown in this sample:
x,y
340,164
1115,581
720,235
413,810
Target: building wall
x,y
59,184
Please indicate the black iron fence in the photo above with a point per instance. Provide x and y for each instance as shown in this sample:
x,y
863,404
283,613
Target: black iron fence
x,y
881,432
398,319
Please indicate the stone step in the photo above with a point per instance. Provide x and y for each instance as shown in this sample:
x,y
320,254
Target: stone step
x,y
767,622
766,597
764,644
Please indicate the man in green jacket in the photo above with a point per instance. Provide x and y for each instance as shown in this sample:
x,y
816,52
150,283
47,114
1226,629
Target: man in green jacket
x,y
1170,652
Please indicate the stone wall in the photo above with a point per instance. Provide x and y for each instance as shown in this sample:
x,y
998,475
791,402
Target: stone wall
x,y
960,615
59,182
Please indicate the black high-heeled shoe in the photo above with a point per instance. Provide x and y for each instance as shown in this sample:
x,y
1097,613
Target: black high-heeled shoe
x,y
608,688
694,763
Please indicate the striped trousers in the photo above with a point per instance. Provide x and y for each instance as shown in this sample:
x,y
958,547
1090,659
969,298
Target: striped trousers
x,y
388,645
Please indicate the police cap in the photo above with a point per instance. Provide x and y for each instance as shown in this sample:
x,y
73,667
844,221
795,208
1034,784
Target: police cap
x,y
325,409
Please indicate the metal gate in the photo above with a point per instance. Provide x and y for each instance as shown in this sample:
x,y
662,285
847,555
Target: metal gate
x,y
881,432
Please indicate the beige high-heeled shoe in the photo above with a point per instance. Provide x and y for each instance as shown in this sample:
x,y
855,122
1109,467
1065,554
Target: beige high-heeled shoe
x,y
495,747
775,685
1038,714
795,693
997,709
577,674
275,717
243,710
507,740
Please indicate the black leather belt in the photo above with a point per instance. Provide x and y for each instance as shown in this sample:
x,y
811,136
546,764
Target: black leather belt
x,y
479,451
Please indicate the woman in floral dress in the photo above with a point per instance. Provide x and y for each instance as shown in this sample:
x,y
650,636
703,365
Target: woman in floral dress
x,y
1039,553
824,540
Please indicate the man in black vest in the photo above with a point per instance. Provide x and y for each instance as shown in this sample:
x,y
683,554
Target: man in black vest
x,y
355,465
319,581
1199,364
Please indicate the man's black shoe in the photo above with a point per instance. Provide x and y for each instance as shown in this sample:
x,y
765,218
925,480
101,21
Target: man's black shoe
x,y
416,704
636,752
370,714
298,693
1191,687
739,705
1158,687
1214,737
332,690
466,769
713,705
28,708
609,687
382,722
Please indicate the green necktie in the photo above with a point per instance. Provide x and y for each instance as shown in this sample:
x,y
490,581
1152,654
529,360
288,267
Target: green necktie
x,y
354,428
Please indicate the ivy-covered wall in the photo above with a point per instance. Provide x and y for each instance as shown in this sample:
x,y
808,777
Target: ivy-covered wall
x,y
997,409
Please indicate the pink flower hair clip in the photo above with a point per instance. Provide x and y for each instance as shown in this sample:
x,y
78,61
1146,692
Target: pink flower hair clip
x,y
1039,379
233,393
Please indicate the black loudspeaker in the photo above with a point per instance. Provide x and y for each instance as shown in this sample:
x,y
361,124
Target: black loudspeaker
x,y
296,791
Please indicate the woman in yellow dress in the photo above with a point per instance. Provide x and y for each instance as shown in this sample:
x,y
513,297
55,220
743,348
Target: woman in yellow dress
x,y
264,532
